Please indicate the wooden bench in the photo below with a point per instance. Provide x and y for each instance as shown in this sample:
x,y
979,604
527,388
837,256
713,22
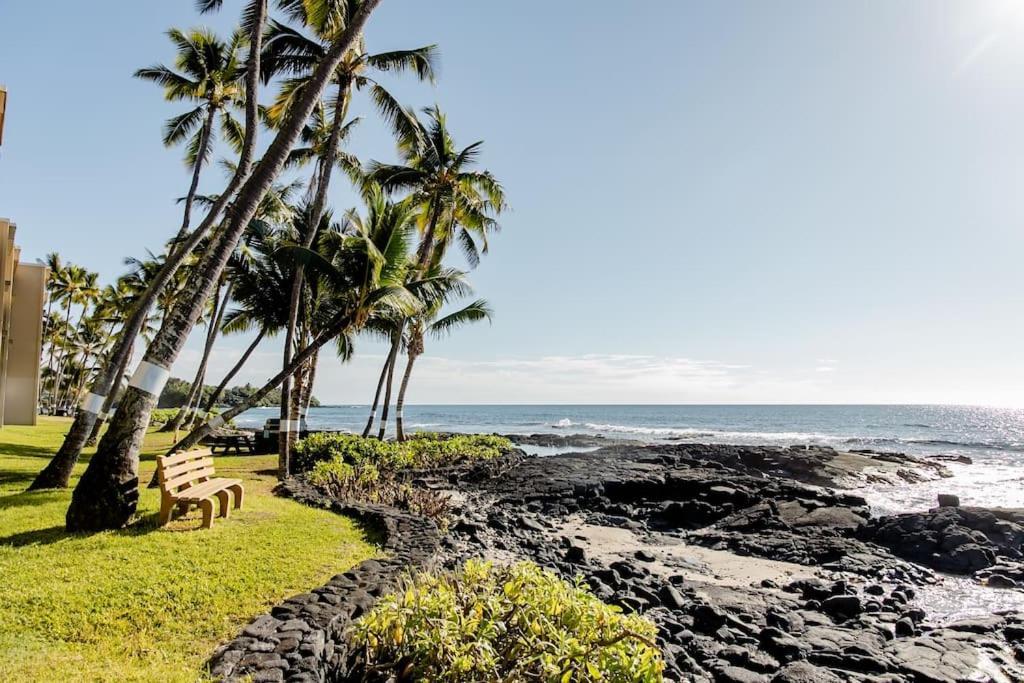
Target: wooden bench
x,y
227,442
187,479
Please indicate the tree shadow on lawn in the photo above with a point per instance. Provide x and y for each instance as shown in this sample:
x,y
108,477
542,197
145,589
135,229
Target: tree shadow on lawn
x,y
146,524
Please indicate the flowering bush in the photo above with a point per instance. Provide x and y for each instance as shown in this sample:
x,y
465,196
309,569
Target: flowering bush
x,y
504,623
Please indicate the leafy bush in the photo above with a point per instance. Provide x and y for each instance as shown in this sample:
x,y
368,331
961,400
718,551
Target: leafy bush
x,y
162,416
514,623
364,483
351,467
422,450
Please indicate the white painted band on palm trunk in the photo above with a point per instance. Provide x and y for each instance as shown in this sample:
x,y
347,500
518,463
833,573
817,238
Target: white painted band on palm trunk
x,y
398,415
150,378
216,422
93,403
288,426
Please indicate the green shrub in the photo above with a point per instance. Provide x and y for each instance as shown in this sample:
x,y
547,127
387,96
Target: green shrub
x,y
422,450
514,623
162,416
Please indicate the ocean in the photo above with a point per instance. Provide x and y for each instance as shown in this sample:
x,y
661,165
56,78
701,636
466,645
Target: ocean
x,y
992,437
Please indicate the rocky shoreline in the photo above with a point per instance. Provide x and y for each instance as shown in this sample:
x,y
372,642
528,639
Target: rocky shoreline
x,y
750,561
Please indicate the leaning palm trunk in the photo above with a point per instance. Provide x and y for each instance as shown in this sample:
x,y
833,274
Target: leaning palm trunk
x,y
204,147
307,396
400,403
335,327
114,368
215,396
107,494
195,393
285,433
387,388
376,396
108,402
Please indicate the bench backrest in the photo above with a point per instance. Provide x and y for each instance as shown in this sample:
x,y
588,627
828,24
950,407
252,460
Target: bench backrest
x,y
183,470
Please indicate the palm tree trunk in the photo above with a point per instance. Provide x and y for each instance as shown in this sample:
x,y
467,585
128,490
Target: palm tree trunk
x,y
215,396
108,402
52,340
376,395
204,148
399,425
114,369
285,434
78,332
387,389
196,391
107,494
307,396
60,361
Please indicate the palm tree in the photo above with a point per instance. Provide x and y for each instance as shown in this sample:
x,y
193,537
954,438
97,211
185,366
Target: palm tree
x,y
455,201
208,73
254,19
364,268
261,295
289,51
274,211
79,287
106,496
428,322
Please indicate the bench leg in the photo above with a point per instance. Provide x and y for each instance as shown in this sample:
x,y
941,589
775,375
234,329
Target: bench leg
x,y
183,508
239,494
225,503
166,507
207,507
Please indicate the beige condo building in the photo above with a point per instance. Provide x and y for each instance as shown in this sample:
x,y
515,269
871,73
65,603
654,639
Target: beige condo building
x,y
22,299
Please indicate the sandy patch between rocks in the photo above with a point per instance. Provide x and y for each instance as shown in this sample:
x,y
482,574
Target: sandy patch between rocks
x,y
674,557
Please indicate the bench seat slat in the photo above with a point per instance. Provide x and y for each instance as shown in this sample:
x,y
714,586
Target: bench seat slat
x,y
205,489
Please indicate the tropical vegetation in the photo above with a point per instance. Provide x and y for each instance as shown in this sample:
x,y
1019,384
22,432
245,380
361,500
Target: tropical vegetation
x,y
487,622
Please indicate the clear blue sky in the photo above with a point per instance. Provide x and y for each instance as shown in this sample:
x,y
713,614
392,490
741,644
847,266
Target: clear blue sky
x,y
712,202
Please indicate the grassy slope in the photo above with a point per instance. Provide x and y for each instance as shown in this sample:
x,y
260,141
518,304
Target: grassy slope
x,y
146,604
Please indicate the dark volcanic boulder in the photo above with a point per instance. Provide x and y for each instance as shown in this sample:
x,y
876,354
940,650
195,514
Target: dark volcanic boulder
x,y
949,538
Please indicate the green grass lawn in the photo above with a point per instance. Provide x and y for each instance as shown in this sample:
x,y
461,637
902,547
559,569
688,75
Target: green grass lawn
x,y
145,603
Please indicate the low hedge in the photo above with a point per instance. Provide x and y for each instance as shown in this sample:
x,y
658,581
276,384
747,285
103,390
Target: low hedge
x,y
487,623
422,450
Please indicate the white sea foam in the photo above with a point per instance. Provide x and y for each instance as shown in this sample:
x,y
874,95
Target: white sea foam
x,y
564,423
712,434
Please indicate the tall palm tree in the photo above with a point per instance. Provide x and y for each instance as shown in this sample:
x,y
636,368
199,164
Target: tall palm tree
x,y
456,202
254,19
290,51
80,287
426,323
209,73
107,494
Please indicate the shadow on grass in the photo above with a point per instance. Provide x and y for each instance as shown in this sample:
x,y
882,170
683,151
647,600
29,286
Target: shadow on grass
x,y
146,524
21,450
22,498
